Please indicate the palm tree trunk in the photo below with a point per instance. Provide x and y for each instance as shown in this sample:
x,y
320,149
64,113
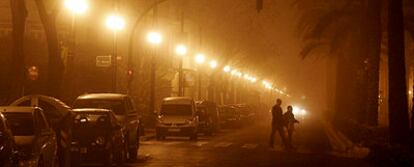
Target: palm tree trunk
x,y
55,64
373,47
17,70
398,107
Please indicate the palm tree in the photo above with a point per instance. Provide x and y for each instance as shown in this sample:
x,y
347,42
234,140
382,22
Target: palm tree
x,y
17,68
350,31
398,107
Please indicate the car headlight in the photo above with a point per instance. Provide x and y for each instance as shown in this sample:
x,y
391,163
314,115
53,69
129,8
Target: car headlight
x,y
100,141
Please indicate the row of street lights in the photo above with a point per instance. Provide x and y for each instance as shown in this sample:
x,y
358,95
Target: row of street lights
x,y
116,23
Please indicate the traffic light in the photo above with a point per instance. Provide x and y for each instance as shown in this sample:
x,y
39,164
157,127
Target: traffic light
x,y
259,5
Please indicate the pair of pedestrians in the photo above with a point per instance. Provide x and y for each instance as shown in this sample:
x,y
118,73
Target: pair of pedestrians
x,y
279,122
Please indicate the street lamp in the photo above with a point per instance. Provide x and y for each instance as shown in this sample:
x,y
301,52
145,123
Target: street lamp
x,y
213,64
115,23
181,50
212,83
154,38
76,6
199,59
227,69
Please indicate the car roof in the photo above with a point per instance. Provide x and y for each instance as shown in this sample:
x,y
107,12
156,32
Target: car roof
x,y
103,96
177,101
97,110
177,98
14,109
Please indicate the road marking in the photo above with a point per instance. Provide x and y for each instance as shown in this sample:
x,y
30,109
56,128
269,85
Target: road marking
x,y
173,143
249,146
200,143
223,144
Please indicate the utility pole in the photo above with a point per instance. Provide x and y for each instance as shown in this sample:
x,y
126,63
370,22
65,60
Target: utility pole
x,y
180,68
152,75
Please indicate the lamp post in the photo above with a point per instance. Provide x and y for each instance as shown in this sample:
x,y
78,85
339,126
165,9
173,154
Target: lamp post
x,y
181,51
199,59
76,7
115,23
212,85
154,38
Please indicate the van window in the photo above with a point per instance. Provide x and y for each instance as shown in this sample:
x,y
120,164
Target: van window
x,y
117,106
176,109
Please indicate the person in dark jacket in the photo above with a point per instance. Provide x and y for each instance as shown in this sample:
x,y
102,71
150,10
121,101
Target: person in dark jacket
x,y
290,120
277,124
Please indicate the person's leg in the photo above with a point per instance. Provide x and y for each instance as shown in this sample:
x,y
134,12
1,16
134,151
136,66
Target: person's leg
x,y
272,137
290,133
282,136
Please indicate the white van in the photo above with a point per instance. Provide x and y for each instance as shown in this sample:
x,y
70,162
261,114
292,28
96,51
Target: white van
x,y
177,117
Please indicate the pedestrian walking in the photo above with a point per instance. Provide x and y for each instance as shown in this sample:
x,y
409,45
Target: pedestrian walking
x,y
277,124
290,121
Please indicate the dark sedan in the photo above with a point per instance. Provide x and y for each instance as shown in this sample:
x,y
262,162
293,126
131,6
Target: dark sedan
x,y
97,137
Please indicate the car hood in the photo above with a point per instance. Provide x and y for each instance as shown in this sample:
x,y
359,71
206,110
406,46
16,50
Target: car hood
x,y
176,119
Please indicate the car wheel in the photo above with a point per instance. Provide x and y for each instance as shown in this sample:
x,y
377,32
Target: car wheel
x,y
133,151
121,156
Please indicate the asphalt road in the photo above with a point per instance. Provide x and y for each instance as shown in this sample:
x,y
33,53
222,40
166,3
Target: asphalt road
x,y
247,146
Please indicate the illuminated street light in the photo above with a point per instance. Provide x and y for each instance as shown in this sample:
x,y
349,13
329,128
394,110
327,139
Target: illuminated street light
x,y
76,6
181,50
410,92
154,38
253,80
233,72
200,58
213,64
239,74
227,69
115,22
246,76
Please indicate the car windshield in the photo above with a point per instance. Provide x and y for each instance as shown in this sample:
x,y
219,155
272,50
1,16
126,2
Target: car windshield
x,y
115,105
228,111
21,124
176,109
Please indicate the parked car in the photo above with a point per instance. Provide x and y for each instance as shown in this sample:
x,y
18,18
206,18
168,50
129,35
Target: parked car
x,y
208,115
125,112
59,116
97,137
35,140
247,114
230,116
7,146
177,117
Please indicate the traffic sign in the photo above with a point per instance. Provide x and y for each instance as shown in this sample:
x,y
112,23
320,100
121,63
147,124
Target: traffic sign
x,y
103,61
